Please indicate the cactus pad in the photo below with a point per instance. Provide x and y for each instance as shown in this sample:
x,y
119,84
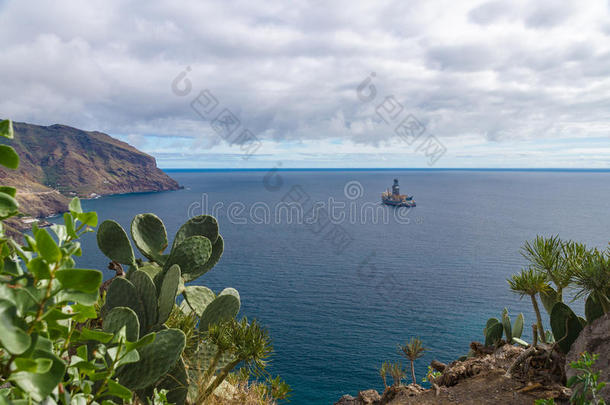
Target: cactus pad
x,y
508,330
224,307
147,292
217,249
119,317
198,297
593,309
150,236
114,243
191,255
152,269
167,293
156,359
565,325
201,225
122,293
518,327
549,298
494,334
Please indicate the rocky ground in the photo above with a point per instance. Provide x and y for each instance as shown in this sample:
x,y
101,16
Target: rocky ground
x,y
484,378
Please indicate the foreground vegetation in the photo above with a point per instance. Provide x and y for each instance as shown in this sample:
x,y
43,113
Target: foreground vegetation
x,y
144,337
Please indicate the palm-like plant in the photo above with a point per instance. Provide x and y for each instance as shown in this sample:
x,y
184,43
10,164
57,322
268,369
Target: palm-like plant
x,y
413,350
530,282
397,372
248,343
592,275
383,372
551,257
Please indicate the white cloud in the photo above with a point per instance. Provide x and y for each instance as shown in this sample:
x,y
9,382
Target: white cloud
x,y
502,72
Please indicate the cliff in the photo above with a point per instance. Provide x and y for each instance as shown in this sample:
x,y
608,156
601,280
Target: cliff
x,y
59,162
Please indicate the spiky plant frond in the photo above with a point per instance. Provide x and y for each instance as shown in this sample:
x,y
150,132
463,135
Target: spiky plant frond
x,y
413,349
592,276
528,282
551,257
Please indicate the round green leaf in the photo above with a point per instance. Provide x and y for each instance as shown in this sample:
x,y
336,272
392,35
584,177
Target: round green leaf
x,y
47,246
8,206
8,157
83,280
6,129
12,337
39,386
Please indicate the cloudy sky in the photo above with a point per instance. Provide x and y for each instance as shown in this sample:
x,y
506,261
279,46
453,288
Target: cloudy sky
x,y
499,83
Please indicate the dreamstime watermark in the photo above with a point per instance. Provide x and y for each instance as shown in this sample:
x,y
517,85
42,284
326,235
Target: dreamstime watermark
x,y
297,207
226,124
408,128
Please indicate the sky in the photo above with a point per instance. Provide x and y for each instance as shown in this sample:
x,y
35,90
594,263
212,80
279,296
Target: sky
x,y
244,84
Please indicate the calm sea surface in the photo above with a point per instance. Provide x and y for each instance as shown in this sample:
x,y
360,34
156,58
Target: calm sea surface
x,y
337,297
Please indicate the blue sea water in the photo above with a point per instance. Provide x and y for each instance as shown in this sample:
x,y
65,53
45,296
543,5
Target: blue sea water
x,y
338,297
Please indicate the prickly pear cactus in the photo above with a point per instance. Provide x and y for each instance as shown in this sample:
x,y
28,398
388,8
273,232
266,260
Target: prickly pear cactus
x,y
122,293
147,293
223,308
150,236
176,382
593,309
565,325
508,329
493,332
206,352
198,297
191,255
114,243
167,293
549,298
152,269
201,225
119,317
217,250
143,301
517,329
156,359
489,324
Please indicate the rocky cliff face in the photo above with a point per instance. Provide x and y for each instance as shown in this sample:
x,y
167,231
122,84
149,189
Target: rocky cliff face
x,y
59,162
594,338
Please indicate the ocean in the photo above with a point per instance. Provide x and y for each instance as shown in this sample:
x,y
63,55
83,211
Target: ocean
x,y
340,283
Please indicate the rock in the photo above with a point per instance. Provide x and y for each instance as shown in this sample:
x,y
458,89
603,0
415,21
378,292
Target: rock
x,y
397,394
347,400
368,397
595,339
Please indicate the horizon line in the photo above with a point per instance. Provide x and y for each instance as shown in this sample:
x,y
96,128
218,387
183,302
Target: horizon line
x,y
514,169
